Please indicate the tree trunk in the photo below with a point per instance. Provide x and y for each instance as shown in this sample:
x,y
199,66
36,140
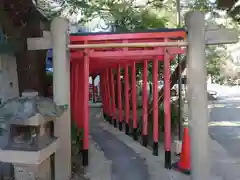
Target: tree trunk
x,y
31,71
31,64
23,21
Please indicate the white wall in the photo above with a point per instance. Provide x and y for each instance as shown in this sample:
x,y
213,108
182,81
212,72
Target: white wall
x,y
8,77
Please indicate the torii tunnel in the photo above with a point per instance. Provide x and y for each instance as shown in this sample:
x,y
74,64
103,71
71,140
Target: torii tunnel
x,y
108,63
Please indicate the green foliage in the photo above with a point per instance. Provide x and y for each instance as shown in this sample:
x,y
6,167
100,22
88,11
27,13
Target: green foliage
x,y
125,15
173,109
211,7
174,120
203,5
235,13
52,8
215,61
76,134
216,56
117,12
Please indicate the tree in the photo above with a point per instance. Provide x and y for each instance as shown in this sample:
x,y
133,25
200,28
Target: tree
x,y
216,60
216,55
20,20
232,7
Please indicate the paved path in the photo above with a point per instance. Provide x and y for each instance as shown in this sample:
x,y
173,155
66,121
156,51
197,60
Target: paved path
x,y
225,125
126,164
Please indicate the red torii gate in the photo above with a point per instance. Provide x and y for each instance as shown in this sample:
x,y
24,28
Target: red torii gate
x,y
103,61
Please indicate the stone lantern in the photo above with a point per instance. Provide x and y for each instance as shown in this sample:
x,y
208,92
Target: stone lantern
x,y
30,140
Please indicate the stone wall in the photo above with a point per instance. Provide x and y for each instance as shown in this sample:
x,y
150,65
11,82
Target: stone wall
x,y
8,89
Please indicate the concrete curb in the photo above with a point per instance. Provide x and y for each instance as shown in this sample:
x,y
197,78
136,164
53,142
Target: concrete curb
x,y
155,163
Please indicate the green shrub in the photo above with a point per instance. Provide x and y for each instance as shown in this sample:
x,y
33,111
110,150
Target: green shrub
x,y
76,134
174,114
174,121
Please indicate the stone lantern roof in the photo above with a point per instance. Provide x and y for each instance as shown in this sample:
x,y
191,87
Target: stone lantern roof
x,y
28,106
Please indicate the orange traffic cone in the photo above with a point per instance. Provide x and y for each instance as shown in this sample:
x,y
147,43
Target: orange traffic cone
x,y
183,165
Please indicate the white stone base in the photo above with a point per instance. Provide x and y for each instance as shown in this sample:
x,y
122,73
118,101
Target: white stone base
x,y
177,146
33,172
29,157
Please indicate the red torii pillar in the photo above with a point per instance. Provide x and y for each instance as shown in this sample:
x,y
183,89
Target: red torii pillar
x,y
108,95
144,106
113,103
85,98
102,93
126,96
78,92
120,126
134,102
167,110
155,105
